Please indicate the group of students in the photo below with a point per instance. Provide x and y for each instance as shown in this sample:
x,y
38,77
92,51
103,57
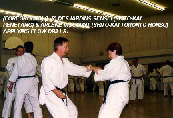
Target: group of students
x,y
164,76
23,84
162,79
55,69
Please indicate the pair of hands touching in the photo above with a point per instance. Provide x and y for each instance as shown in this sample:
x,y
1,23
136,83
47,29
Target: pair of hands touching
x,y
59,94
92,68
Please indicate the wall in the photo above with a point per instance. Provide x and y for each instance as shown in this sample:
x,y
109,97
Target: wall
x,y
151,45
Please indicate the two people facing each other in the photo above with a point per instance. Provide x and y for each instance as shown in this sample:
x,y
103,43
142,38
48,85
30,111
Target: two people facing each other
x,y
55,71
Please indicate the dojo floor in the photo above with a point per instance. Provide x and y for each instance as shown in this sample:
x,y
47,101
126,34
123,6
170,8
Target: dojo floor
x,y
88,104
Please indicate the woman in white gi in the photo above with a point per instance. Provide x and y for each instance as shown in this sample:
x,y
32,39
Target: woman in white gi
x,y
118,74
55,70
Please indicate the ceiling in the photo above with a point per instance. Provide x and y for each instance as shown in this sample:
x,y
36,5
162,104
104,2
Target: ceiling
x,y
46,8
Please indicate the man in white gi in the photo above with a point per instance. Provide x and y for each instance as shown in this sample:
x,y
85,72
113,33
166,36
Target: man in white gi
x,y
153,79
138,72
118,74
55,70
70,84
167,75
82,84
10,96
27,84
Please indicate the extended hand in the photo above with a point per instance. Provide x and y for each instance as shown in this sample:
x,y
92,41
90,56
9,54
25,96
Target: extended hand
x,y
95,69
88,67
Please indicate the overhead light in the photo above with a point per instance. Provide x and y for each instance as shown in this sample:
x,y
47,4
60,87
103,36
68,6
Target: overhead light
x,y
89,9
98,11
151,4
29,16
10,12
63,2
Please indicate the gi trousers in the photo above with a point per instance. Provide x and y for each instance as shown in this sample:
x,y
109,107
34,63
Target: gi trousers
x,y
9,100
57,107
116,99
29,87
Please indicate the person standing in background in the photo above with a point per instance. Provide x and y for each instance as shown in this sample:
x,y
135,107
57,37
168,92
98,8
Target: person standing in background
x,y
138,72
167,74
10,96
26,83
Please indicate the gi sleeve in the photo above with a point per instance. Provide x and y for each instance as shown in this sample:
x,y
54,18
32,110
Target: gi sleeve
x,y
110,71
46,69
75,70
17,69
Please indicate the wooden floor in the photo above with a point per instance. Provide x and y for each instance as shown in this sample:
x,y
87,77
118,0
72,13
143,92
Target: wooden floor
x,y
88,104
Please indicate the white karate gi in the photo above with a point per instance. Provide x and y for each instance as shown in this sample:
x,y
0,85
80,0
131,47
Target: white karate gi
x,y
153,81
70,84
101,88
82,83
137,83
26,66
11,96
168,81
118,94
55,73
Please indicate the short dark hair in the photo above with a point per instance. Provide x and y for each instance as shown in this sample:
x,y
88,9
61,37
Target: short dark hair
x,y
168,62
135,58
28,46
115,46
59,41
19,46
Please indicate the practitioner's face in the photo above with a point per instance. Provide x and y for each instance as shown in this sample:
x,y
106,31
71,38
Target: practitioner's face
x,y
111,54
64,48
20,51
134,61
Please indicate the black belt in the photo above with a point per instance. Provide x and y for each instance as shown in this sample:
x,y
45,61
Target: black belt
x,y
63,91
19,77
111,82
137,78
167,76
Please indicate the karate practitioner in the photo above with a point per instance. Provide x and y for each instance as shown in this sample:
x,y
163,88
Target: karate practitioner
x,y
138,72
10,96
70,84
55,70
167,75
118,74
153,79
27,84
82,84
